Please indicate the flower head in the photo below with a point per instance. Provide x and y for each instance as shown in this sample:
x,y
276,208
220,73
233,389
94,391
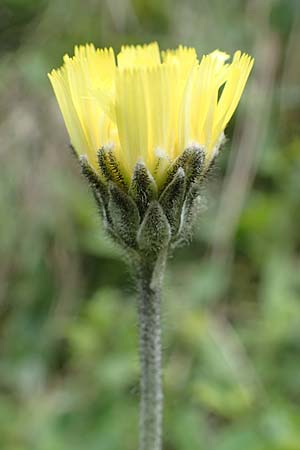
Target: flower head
x,y
146,105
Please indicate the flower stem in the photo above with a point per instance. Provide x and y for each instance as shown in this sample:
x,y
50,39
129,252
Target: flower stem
x,y
150,277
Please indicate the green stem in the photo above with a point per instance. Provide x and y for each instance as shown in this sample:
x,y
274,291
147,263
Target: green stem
x,y
150,276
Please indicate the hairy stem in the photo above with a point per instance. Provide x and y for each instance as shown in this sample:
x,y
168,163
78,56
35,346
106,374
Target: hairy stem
x,y
150,276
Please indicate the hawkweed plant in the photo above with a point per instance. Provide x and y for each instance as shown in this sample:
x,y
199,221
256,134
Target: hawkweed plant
x,y
147,126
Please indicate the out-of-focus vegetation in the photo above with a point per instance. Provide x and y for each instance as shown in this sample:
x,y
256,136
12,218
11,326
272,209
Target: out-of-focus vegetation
x,y
68,326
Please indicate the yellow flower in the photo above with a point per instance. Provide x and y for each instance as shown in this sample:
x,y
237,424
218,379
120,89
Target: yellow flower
x,y
148,105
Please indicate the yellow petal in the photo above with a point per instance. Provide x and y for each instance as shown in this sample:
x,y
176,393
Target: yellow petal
x,y
184,57
199,102
238,74
141,55
61,89
89,128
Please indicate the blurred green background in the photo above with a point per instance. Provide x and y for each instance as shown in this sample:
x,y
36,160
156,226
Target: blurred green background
x,y
231,312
